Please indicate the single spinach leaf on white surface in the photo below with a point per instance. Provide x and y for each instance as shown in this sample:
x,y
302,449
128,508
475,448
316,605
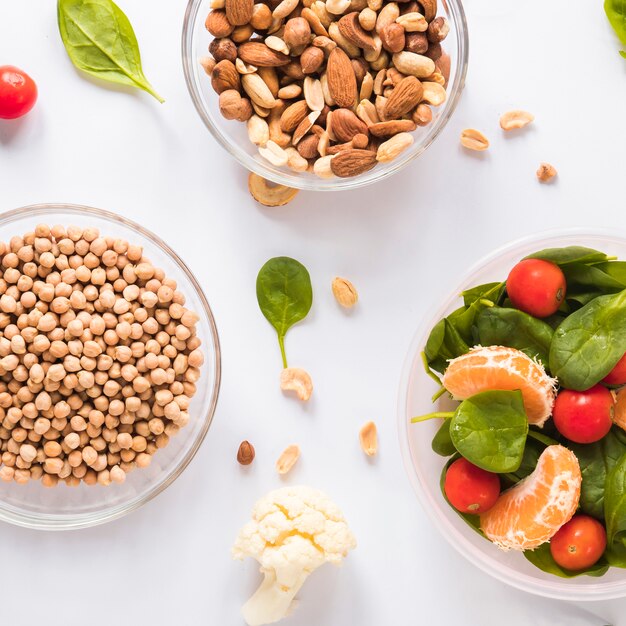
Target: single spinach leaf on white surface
x,y
489,430
588,344
616,13
100,40
284,294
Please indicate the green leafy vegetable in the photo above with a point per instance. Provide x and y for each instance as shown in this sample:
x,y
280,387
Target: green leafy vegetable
x,y
442,442
515,329
616,12
488,291
615,502
100,40
489,430
542,558
285,295
590,342
569,254
596,461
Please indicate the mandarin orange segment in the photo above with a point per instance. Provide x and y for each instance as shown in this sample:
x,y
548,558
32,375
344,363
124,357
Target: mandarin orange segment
x,y
531,512
503,369
619,416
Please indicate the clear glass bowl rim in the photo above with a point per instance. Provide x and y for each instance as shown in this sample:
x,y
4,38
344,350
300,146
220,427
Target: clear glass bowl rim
x,y
557,588
292,179
66,522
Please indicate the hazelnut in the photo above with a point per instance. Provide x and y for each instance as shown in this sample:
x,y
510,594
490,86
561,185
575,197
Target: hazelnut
x,y
217,24
297,32
225,76
245,454
311,59
223,49
416,43
438,30
393,38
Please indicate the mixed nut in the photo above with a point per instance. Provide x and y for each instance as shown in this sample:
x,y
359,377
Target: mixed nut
x,y
99,357
329,87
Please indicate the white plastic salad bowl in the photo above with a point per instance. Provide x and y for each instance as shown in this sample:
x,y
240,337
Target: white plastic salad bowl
x,y
424,466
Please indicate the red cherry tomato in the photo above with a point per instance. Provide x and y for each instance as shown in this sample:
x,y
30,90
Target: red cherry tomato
x,y
584,416
471,489
617,376
536,287
18,92
579,543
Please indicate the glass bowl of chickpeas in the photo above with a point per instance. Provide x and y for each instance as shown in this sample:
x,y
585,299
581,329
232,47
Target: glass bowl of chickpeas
x,y
109,366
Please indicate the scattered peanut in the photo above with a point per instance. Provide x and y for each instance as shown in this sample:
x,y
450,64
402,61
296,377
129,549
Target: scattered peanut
x,y
297,380
474,140
287,459
345,292
546,173
368,437
515,119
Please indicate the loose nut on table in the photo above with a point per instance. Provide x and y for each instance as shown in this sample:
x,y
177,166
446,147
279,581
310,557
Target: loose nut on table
x,y
368,437
345,293
546,173
297,380
288,459
245,454
473,139
268,194
515,119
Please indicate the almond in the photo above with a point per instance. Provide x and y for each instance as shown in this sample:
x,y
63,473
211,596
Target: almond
x,y
352,163
405,96
218,25
341,78
352,30
293,115
257,53
225,76
392,127
304,127
430,9
308,147
239,12
345,125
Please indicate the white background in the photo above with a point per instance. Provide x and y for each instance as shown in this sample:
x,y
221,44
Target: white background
x,y
404,244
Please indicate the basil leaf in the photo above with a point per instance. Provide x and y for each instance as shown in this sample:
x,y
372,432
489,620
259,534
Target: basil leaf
x,y
596,461
100,40
589,343
489,430
284,294
541,557
616,13
497,326
442,442
615,501
570,254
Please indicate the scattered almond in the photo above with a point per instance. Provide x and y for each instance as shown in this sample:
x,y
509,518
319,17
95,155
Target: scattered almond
x,y
368,436
288,459
267,193
515,119
344,292
473,139
546,172
245,454
297,380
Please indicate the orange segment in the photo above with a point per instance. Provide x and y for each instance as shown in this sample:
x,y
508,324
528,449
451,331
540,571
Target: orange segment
x,y
619,416
531,512
502,369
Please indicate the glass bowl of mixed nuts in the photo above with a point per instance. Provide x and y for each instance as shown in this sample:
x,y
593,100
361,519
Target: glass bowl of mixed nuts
x,y
109,366
325,95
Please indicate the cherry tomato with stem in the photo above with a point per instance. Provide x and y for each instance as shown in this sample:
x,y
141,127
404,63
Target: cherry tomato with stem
x,y
470,489
584,416
617,376
18,92
536,287
579,543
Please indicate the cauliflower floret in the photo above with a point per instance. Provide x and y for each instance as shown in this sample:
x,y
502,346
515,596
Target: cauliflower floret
x,y
293,531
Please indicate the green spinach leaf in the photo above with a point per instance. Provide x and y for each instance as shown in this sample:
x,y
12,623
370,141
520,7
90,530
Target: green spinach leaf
x,y
596,462
569,254
541,557
616,13
590,342
100,40
489,291
615,502
442,442
515,329
285,295
489,430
